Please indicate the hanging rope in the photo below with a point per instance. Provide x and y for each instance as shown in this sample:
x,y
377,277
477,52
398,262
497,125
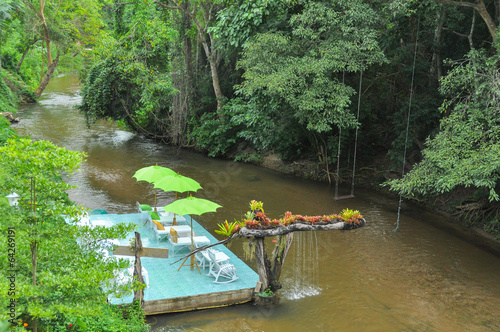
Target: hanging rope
x,y
356,136
408,122
337,177
355,148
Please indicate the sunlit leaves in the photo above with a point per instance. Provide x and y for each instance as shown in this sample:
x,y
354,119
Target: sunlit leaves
x,y
302,67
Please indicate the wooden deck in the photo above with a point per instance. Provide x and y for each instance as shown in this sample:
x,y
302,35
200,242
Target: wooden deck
x,y
170,290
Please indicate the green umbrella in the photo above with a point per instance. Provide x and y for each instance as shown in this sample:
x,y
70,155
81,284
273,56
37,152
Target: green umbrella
x,y
177,183
152,174
191,205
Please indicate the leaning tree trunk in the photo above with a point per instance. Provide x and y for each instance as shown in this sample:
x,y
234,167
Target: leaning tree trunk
x,y
47,77
270,270
211,56
480,6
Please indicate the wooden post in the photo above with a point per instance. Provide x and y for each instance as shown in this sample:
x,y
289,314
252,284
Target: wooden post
x,y
138,293
138,252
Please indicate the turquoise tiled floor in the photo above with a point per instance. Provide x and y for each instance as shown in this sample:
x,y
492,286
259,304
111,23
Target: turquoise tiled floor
x,y
164,279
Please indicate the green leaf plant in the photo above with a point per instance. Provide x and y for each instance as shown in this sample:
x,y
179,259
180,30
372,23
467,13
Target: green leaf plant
x,y
58,278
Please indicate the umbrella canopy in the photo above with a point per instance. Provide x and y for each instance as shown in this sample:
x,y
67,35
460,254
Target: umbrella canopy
x,y
177,183
191,205
152,174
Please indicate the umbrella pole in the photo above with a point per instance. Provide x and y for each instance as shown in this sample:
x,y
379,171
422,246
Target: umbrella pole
x,y
192,245
175,222
193,261
155,202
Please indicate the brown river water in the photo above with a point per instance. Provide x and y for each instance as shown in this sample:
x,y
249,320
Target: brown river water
x,y
419,278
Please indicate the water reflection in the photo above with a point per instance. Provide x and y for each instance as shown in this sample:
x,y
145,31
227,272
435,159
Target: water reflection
x,y
371,279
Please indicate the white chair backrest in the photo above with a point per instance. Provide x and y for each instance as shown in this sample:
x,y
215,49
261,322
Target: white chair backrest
x,y
211,254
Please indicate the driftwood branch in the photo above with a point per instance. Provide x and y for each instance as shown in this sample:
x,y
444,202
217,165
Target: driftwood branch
x,y
275,231
196,250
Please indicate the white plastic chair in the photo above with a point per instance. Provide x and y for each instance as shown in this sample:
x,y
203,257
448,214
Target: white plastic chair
x,y
221,270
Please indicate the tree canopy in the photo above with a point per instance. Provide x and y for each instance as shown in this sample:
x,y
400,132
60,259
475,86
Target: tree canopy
x,y
252,79
61,278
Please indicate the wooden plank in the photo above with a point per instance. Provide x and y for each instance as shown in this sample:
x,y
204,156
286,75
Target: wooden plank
x,y
198,302
343,197
146,252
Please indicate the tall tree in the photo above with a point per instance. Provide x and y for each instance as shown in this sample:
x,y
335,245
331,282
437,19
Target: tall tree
x,y
480,7
67,25
203,14
301,66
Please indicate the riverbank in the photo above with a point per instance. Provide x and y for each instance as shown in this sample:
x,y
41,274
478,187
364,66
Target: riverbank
x,y
372,176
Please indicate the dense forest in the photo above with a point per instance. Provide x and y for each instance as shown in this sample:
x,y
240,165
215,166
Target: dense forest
x,y
408,88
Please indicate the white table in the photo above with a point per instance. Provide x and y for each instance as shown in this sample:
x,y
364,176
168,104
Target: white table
x,y
182,230
169,216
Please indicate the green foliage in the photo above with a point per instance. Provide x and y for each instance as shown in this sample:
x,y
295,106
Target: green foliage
x,y
466,151
239,20
132,83
7,99
70,282
6,131
240,121
227,228
217,132
299,67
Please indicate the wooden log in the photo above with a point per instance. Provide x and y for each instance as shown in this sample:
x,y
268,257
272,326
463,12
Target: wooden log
x,y
275,231
298,227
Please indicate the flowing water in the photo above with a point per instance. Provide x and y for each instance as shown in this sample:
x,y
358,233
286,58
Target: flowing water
x,y
420,278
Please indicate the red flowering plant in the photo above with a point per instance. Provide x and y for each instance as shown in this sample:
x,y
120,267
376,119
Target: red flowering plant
x,y
257,218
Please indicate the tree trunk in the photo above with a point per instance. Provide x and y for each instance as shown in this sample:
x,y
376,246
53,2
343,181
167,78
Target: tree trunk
x,y
481,9
47,45
47,77
263,264
283,244
139,293
215,75
19,64
437,61
472,26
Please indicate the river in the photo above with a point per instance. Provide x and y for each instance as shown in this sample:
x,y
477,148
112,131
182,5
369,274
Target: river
x,y
419,278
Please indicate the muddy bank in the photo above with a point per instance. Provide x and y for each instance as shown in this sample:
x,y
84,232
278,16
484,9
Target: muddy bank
x,y
372,176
